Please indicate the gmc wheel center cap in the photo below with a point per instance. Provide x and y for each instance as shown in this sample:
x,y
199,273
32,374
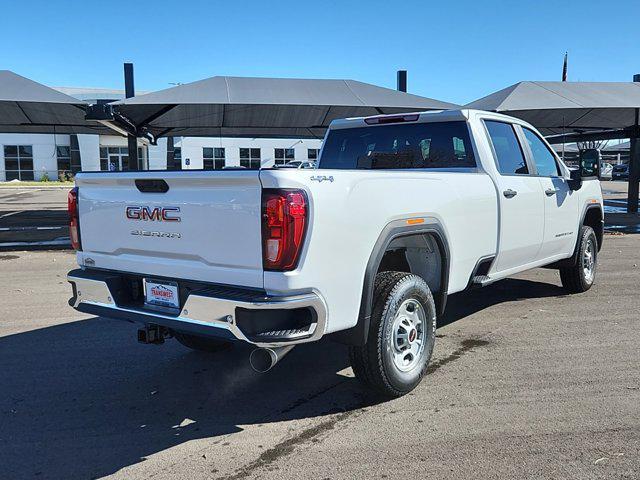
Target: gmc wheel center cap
x,y
412,335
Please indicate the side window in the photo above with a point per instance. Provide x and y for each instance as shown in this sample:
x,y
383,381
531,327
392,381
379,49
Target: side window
x,y
508,152
543,158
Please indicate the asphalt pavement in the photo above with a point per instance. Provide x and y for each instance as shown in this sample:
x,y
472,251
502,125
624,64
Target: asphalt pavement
x,y
33,217
525,382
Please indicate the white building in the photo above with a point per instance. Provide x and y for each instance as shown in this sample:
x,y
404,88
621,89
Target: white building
x,y
34,156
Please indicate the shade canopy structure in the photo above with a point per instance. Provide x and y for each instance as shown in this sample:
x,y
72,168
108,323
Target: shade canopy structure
x,y
577,111
261,107
566,148
30,107
620,147
566,111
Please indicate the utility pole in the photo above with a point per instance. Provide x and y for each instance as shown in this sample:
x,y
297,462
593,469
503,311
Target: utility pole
x,y
132,140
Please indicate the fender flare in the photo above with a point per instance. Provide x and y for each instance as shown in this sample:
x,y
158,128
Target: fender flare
x,y
585,209
358,334
573,259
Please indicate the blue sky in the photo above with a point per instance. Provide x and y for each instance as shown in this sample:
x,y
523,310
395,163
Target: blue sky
x,y
454,50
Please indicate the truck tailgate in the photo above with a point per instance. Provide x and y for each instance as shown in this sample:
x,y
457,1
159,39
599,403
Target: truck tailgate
x,y
206,226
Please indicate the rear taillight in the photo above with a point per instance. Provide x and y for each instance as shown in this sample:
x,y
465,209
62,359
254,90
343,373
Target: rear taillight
x,y
74,227
284,222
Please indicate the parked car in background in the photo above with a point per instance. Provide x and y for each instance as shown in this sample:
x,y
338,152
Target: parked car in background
x,y
605,171
620,172
402,211
299,164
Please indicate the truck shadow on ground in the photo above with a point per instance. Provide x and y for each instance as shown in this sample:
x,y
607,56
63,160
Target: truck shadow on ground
x,y
463,304
84,399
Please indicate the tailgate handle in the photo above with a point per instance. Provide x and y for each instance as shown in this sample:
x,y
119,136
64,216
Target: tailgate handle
x,y
152,185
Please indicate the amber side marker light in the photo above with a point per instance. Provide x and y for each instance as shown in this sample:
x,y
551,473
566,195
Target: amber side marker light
x,y
415,221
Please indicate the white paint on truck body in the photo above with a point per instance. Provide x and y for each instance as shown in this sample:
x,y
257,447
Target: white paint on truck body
x,y
350,213
220,221
219,229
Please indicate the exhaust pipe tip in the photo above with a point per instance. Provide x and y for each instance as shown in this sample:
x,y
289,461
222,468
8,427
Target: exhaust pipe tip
x,y
264,359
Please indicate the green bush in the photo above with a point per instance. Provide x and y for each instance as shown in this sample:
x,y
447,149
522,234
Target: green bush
x,y
45,177
65,176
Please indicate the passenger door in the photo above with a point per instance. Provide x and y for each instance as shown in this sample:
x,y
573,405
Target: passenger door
x,y
520,199
560,202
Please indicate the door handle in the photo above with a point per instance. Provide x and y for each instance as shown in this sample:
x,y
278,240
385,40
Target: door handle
x,y
549,192
509,193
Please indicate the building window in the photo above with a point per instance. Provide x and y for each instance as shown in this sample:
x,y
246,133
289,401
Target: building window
x,y
213,158
284,155
312,153
67,163
116,159
63,155
250,158
18,162
177,160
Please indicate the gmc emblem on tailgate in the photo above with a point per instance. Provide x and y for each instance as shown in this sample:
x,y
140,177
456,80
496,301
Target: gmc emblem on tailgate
x,y
155,214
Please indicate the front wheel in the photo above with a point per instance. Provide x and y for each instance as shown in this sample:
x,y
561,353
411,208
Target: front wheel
x,y
401,335
579,277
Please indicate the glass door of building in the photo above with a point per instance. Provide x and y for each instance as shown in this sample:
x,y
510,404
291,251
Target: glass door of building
x,y
116,159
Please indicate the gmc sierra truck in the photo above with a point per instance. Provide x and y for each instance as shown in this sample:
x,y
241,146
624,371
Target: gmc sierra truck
x,y
401,211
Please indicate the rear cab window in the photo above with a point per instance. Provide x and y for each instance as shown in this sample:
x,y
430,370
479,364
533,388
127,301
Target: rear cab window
x,y
399,146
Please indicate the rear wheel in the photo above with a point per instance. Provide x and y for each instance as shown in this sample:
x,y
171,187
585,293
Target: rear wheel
x,y
401,335
203,344
579,277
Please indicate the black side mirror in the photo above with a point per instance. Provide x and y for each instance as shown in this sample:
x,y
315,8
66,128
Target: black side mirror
x,y
575,179
590,163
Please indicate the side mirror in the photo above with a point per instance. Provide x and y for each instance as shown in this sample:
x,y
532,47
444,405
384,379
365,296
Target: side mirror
x,y
590,163
575,179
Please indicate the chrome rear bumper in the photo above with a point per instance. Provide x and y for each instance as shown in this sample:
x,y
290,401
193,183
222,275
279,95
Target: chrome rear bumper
x,y
202,313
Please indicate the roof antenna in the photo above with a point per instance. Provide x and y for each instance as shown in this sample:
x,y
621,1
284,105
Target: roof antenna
x,y
564,67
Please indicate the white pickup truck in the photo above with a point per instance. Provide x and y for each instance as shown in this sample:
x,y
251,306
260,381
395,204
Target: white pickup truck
x,y
401,211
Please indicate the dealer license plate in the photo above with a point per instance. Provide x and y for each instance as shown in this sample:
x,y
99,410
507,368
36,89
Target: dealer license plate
x,y
158,292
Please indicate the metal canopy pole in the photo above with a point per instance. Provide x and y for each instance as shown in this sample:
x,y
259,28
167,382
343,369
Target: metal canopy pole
x,y
132,140
634,161
402,80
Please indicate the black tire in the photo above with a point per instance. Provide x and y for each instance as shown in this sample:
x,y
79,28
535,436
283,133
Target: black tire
x,y
356,354
575,279
202,344
373,363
